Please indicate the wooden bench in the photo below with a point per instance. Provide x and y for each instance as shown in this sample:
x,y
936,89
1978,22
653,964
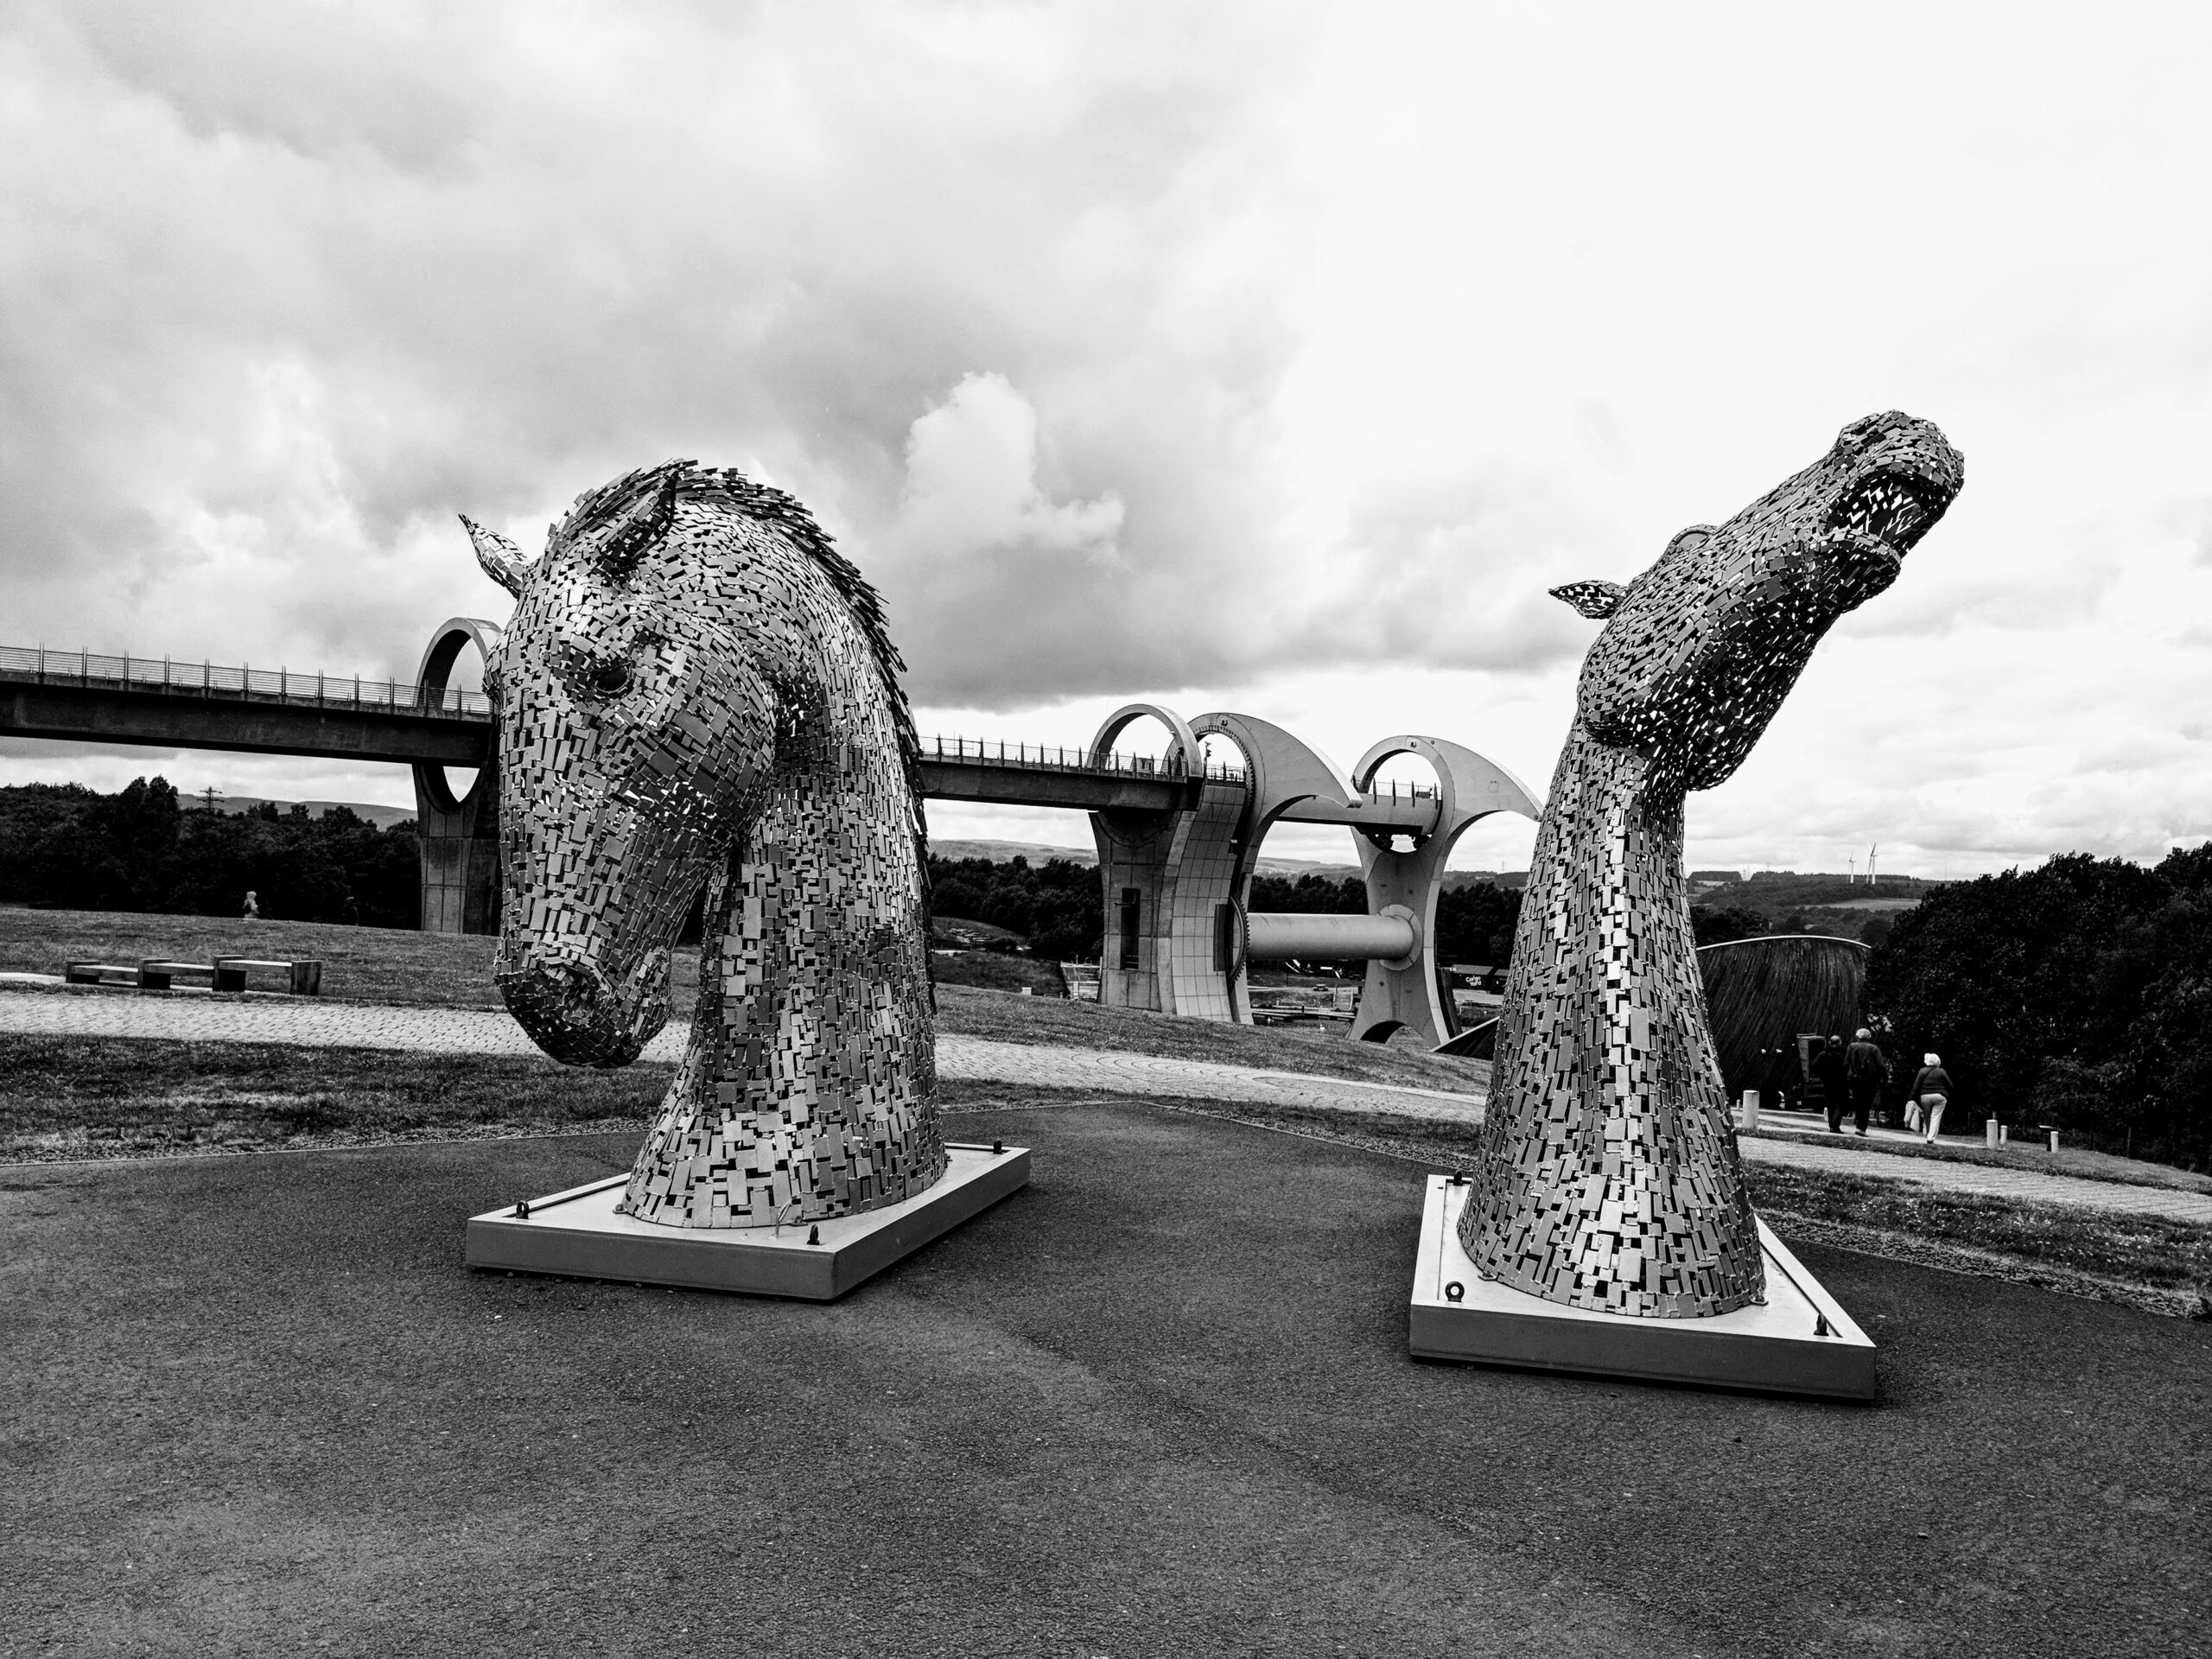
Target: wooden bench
x,y
96,973
303,977
154,975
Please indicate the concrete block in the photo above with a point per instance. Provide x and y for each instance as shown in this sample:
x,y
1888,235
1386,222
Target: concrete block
x,y
578,1234
1801,1341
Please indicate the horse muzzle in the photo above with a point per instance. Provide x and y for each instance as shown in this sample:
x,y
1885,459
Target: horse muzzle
x,y
578,1015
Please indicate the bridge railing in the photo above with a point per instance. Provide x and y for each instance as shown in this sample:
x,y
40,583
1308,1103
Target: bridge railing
x,y
163,675
1044,757
240,684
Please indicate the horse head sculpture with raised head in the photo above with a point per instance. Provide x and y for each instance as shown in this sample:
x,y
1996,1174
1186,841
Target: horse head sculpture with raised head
x,y
696,693
1609,1177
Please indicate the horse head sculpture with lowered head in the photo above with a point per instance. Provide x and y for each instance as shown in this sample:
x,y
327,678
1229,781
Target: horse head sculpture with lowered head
x,y
696,694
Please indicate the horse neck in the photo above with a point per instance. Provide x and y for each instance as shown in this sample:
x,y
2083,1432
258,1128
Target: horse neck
x,y
1608,1177
1606,907
815,949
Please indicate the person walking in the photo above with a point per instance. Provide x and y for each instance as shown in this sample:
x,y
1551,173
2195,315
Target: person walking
x,y
1932,1088
1828,1073
1863,1071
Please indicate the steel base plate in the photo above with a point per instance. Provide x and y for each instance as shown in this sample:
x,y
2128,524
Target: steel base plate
x,y
1800,1342
577,1235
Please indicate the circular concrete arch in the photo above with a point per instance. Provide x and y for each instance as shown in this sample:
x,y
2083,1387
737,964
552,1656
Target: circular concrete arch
x,y
1187,751
1468,785
445,647
447,641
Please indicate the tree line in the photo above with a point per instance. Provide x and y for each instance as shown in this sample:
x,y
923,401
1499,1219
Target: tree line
x,y
1056,904
1060,905
62,846
2078,995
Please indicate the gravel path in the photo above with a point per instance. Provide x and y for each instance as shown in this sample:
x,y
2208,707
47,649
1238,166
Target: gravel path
x,y
470,1031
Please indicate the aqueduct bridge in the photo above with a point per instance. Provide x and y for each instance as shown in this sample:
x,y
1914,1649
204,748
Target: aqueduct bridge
x,y
1179,835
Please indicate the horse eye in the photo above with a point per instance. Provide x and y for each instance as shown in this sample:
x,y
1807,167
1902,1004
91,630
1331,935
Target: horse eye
x,y
611,679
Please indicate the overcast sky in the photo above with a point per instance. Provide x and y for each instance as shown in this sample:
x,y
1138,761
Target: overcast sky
x,y
1232,357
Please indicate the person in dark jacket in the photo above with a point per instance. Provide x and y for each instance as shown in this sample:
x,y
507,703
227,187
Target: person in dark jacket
x,y
1863,1068
1828,1073
1932,1088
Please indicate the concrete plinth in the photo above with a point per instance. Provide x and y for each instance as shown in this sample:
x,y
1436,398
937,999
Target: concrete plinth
x,y
577,1234
1800,1342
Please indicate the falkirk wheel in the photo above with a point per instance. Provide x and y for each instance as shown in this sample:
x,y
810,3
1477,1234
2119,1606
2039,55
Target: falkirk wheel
x,y
1180,933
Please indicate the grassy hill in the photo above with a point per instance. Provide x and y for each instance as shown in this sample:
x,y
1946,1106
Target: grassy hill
x,y
1774,894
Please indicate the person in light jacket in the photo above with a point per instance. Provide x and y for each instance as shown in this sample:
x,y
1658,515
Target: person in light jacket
x,y
1932,1088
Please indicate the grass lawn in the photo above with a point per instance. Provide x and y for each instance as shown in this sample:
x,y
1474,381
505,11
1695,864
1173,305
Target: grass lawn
x,y
70,1098
2077,1161
994,970
67,1097
360,964
387,965
1052,1023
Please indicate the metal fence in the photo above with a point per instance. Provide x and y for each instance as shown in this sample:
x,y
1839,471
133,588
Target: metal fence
x,y
242,683
1038,757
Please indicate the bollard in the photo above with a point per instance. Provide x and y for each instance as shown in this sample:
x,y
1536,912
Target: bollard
x,y
1989,1127
2054,1140
2004,1134
1749,1122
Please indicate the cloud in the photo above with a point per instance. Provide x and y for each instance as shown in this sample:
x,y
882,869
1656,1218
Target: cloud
x,y
1250,356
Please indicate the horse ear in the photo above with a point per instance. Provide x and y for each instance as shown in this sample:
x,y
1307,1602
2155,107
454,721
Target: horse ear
x,y
502,560
1595,599
624,542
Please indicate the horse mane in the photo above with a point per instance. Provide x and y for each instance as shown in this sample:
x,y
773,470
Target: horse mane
x,y
606,520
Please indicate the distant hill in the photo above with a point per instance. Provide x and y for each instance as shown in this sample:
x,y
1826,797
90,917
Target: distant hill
x,y
383,817
1776,892
1005,852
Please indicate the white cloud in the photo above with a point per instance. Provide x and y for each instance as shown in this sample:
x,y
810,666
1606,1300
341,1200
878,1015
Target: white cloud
x,y
1248,357
971,488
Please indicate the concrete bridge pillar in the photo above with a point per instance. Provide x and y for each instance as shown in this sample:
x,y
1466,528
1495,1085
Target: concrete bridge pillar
x,y
1168,880
459,837
1407,991
1180,933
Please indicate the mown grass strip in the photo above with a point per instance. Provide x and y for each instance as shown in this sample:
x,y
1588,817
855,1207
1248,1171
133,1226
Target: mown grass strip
x,y
69,1097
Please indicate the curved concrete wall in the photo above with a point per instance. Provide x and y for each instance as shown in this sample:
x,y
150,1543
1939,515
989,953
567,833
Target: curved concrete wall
x,y
1177,883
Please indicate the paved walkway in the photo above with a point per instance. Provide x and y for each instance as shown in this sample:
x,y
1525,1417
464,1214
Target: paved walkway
x,y
472,1031
308,1023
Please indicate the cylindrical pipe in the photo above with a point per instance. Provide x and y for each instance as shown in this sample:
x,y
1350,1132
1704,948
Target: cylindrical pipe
x,y
1280,936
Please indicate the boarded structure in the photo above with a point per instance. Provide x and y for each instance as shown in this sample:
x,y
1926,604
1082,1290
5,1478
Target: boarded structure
x,y
1762,993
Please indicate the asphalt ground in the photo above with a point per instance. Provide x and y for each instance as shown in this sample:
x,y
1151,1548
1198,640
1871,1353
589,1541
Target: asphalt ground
x,y
1159,1402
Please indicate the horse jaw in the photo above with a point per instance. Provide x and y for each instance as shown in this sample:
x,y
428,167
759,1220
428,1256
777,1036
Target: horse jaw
x,y
574,1012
